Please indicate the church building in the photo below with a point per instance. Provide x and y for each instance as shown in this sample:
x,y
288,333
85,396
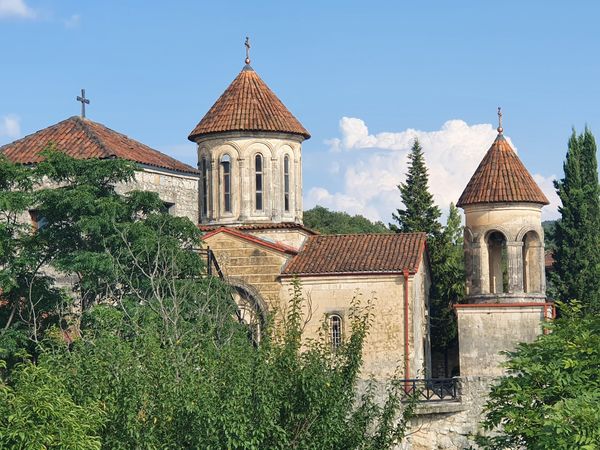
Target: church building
x,y
246,197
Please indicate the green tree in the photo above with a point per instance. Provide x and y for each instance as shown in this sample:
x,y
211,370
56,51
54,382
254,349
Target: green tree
x,y
550,398
448,287
445,249
325,221
576,257
159,359
37,411
419,213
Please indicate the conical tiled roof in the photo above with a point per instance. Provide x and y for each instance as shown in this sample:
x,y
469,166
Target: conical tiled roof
x,y
248,105
500,178
82,139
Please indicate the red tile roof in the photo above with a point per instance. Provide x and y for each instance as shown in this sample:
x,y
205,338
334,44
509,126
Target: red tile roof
x,y
256,240
248,105
82,139
261,226
358,254
501,177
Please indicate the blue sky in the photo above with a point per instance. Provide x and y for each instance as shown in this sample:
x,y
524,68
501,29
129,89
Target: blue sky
x,y
363,77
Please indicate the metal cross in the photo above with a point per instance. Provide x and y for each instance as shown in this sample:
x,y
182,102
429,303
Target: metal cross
x,y
247,44
500,129
84,101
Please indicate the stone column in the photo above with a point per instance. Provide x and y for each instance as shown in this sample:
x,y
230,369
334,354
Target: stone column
x,y
274,192
213,190
515,266
473,267
244,193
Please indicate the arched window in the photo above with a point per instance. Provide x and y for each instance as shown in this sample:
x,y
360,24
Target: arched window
x,y
204,169
226,167
335,330
258,170
532,263
498,262
286,183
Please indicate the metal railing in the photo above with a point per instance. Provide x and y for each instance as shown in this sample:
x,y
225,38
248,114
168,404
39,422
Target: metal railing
x,y
431,389
212,266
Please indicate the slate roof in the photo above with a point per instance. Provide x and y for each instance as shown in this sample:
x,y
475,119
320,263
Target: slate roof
x,y
83,139
248,105
501,177
358,254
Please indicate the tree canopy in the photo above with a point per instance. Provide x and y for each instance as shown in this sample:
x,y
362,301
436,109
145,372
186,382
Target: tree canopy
x,y
107,315
420,212
325,221
576,257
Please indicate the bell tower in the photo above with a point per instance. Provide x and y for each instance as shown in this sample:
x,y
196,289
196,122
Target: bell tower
x,y
504,260
249,156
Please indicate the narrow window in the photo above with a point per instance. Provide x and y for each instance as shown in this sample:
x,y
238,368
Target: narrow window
x,y
226,165
204,169
335,331
37,220
258,169
286,183
169,207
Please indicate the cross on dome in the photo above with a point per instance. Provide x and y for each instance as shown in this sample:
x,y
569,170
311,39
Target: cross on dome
x,y
500,129
247,44
84,101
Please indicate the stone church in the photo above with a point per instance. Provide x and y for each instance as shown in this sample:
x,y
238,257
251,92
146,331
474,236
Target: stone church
x,y
246,197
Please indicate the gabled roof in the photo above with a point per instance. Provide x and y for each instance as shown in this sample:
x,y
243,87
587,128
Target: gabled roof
x,y
500,178
250,238
358,254
248,105
83,139
261,226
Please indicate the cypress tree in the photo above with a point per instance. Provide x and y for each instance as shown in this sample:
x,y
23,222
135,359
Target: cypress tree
x,y
576,272
445,249
419,213
448,287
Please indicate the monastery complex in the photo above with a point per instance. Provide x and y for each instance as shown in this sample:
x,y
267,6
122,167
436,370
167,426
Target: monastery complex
x,y
246,197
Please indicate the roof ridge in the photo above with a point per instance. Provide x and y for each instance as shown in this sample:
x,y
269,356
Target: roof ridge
x,y
81,123
373,234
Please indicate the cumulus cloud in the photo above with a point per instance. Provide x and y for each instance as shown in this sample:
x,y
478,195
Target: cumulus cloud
x,y
16,9
370,188
10,126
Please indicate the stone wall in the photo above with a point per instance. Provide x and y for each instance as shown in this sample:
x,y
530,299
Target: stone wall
x,y
447,425
250,265
176,189
384,347
485,330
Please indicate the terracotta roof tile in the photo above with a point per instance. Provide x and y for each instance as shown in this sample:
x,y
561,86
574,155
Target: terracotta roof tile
x,y
82,139
261,226
501,177
358,254
248,105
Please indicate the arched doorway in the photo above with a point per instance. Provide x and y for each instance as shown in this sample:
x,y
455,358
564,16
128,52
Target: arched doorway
x,y
251,309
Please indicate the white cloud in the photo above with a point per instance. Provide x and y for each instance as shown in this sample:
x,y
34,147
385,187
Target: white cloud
x,y
10,126
73,22
16,9
370,184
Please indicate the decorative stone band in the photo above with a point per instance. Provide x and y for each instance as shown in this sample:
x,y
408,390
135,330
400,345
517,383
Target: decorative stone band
x,y
549,307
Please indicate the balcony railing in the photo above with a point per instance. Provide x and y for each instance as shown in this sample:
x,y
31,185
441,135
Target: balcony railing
x,y
431,389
